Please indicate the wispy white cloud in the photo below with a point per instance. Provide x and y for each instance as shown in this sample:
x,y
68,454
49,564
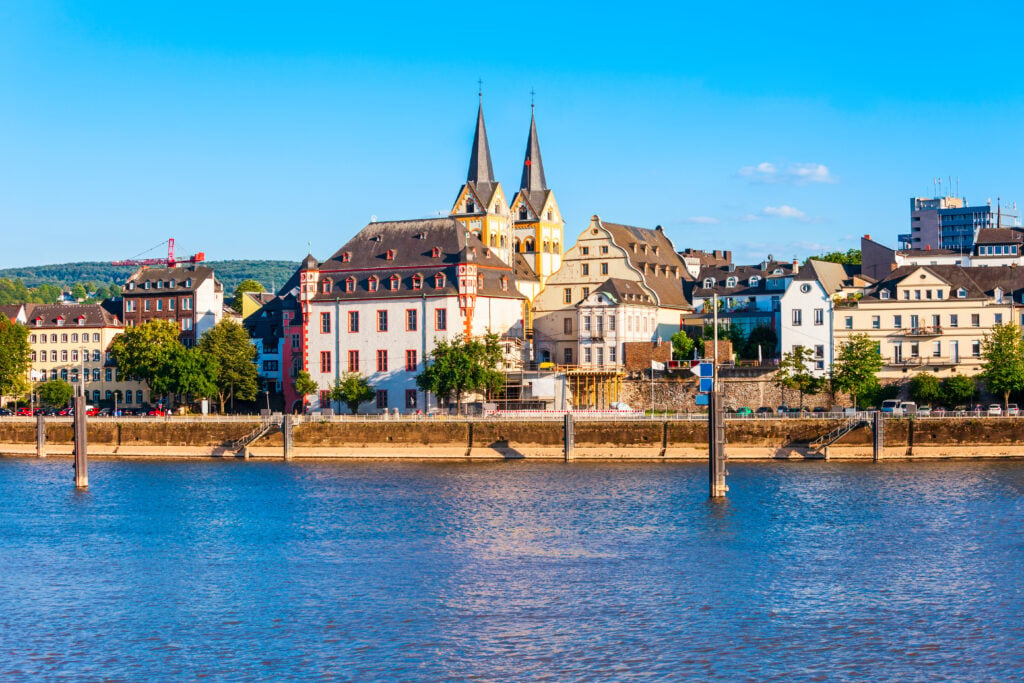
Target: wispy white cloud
x,y
793,174
702,220
784,211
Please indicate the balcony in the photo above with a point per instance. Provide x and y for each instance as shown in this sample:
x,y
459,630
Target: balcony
x,y
925,331
921,361
909,361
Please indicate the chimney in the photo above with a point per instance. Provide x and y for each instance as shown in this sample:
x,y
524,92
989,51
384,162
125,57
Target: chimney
x,y
928,247
796,266
867,237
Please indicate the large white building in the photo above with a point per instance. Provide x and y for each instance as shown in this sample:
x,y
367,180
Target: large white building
x,y
381,302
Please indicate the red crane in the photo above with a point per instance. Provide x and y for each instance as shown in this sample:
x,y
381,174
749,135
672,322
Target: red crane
x,y
170,261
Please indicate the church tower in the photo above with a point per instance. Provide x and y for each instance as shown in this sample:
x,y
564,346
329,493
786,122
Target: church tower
x,y
538,225
480,206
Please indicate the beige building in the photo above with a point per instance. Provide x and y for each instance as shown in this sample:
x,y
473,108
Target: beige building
x,y
72,342
931,318
643,300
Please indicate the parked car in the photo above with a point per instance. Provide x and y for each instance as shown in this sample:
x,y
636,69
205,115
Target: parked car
x,y
818,410
744,411
765,410
939,411
155,412
1013,410
995,410
924,411
892,406
5,413
103,412
621,407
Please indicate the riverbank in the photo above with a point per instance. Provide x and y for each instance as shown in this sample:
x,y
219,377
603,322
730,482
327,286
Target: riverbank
x,y
453,439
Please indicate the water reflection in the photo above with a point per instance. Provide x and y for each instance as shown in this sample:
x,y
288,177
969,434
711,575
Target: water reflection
x,y
513,570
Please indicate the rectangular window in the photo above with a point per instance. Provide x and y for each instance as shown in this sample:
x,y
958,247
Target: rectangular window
x,y
587,355
938,294
876,322
604,248
917,294
410,398
999,318
819,316
567,326
897,321
600,325
145,305
611,354
74,356
600,355
159,304
937,349
440,319
915,349
353,361
586,292
170,304
567,356
186,324
410,320
353,321
976,349
604,269
64,356
848,322
410,360
611,323
586,269
927,294
936,321
819,351
382,399
798,317
108,374
382,321
325,323
954,320
584,250
906,294
325,401
382,360
325,361
586,323
186,304
975,320
567,295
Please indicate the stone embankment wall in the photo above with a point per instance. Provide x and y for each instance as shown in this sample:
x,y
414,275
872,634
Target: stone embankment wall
x,y
680,393
606,439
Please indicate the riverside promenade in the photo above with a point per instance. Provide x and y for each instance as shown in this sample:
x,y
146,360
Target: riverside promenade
x,y
621,437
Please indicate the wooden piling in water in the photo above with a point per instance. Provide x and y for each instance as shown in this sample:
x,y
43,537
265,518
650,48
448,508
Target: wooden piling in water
x,y
717,487
81,445
878,438
40,436
286,435
569,437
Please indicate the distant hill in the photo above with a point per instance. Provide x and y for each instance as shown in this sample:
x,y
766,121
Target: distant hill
x,y
271,274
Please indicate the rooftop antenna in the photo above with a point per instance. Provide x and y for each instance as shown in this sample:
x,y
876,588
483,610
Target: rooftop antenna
x,y
532,93
480,89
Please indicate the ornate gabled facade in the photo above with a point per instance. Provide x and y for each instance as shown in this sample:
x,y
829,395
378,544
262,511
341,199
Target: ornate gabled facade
x,y
480,207
539,228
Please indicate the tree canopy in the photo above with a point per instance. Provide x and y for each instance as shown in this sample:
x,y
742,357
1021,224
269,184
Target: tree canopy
x,y
856,367
187,372
15,357
682,346
925,388
55,393
850,256
244,286
142,351
304,385
228,345
352,389
463,365
795,372
958,390
1003,354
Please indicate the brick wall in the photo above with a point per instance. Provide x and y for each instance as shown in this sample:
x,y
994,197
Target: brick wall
x,y
637,356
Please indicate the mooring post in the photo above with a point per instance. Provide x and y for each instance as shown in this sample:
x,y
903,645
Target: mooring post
x,y
717,487
286,434
40,436
81,445
569,437
878,440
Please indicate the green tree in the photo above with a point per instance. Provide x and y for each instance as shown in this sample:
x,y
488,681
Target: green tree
x,y
15,357
1003,353
762,336
463,365
189,373
795,373
682,346
925,388
142,351
352,389
304,386
55,393
243,287
856,367
228,344
78,292
958,390
850,256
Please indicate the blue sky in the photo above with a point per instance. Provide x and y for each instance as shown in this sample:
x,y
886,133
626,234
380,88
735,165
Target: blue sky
x,y
247,130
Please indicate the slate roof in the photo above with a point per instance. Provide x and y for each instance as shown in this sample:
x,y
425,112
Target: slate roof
x,y
832,276
412,244
11,311
533,166
179,274
999,236
95,315
653,254
979,282
524,271
623,292
721,274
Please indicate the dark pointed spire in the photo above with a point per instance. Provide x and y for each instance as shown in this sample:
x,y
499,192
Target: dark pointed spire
x,y
533,167
480,169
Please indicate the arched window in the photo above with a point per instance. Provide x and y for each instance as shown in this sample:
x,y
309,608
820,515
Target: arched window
x,y
730,281
494,240
528,245
523,213
439,281
350,284
470,207
517,244
395,282
755,281
373,283
556,248
546,249
417,281
709,283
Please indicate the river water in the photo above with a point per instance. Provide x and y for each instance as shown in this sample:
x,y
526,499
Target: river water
x,y
511,571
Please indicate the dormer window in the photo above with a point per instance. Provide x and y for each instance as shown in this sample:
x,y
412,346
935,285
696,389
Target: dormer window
x,y
325,287
131,285
470,207
884,294
551,215
350,284
777,271
504,283
998,295
439,281
373,283
961,293
60,321
390,255
435,252
159,284
523,214
395,281
346,256
479,281
81,320
146,285
173,284
188,282
709,283
730,281
39,322
417,281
